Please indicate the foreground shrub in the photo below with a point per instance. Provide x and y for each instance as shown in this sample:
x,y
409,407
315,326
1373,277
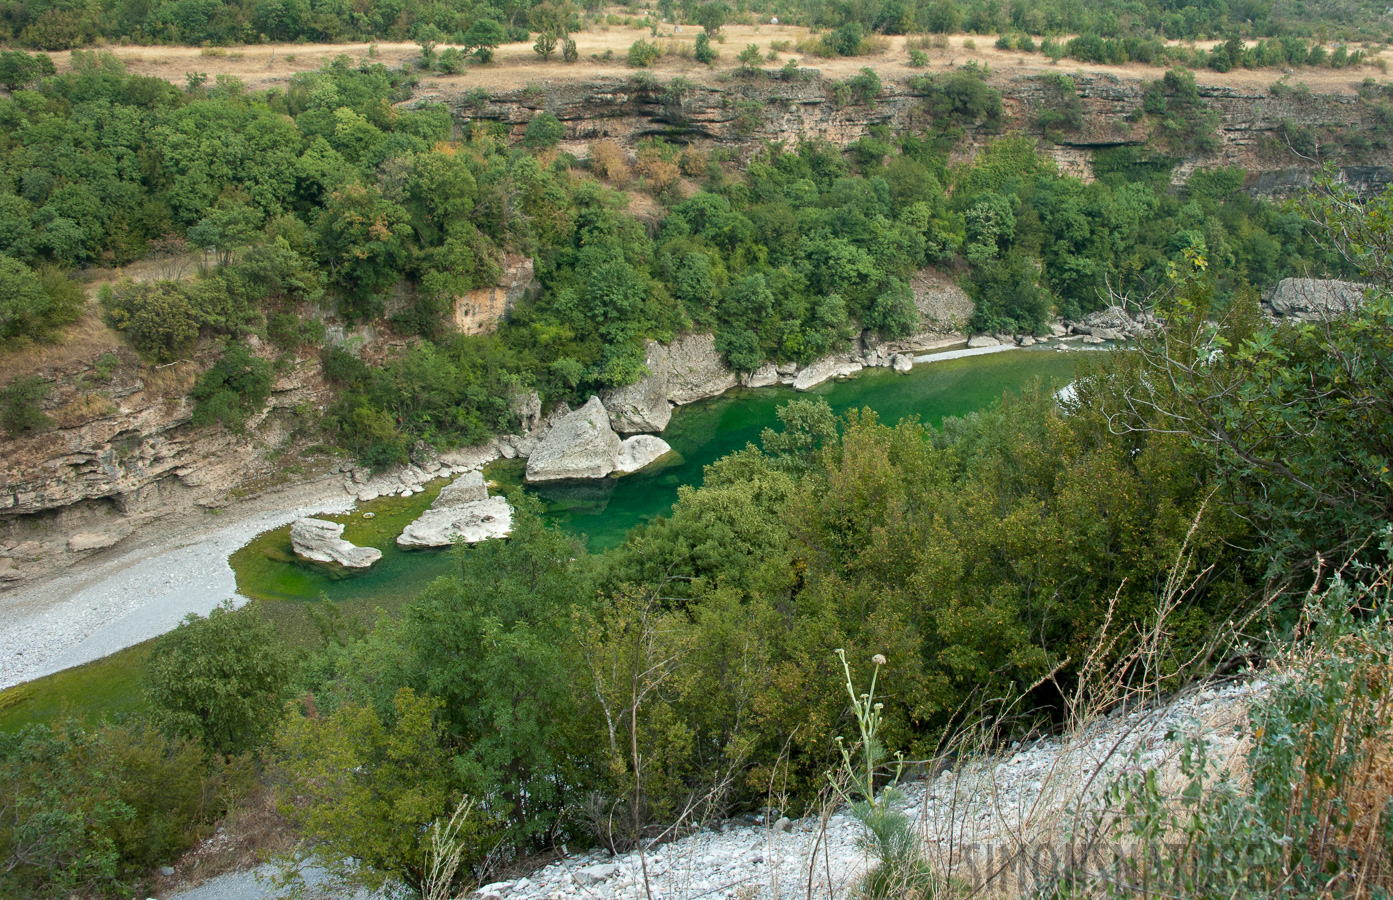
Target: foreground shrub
x,y
1315,820
92,810
367,785
219,680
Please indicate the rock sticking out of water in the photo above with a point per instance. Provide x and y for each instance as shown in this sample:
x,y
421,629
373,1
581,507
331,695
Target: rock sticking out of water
x,y
581,445
823,369
640,451
471,522
322,541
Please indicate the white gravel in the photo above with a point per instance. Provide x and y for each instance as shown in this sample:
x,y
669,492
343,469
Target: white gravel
x,y
110,605
981,808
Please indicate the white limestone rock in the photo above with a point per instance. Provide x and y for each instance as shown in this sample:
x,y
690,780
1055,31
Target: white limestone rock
x,y
1314,298
642,406
468,488
764,376
322,541
581,445
98,540
471,522
823,369
902,362
982,340
696,370
638,452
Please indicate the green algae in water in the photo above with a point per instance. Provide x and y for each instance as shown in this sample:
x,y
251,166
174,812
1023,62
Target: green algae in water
x,y
605,510
267,568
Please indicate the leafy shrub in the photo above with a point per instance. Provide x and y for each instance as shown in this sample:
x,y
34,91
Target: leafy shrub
x,y
33,304
21,405
92,810
642,54
918,59
235,387
704,53
18,69
219,680
161,319
366,786
607,160
545,130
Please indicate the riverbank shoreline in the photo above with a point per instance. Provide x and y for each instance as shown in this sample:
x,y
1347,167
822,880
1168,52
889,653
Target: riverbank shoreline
x,y
180,565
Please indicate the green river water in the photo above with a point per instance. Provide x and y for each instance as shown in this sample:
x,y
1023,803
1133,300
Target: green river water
x,y
606,510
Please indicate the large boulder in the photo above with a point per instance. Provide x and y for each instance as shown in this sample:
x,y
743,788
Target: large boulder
x,y
765,376
640,451
695,370
468,488
471,522
642,406
322,541
821,370
982,340
580,445
1314,298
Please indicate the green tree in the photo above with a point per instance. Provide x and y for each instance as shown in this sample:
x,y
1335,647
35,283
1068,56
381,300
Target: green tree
x,y
712,17
369,786
363,240
235,387
220,680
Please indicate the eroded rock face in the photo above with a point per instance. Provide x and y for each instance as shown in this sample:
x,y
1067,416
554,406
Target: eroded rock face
x,y
479,311
580,445
639,452
823,369
1314,298
322,541
642,406
471,522
695,370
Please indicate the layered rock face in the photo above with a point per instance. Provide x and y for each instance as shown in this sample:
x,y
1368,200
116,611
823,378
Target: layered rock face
x,y
463,511
1251,120
322,541
1313,298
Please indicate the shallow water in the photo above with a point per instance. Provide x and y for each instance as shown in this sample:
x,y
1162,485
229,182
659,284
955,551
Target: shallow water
x,y
604,511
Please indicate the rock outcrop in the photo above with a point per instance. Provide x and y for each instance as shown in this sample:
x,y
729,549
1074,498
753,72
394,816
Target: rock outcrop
x,y
322,541
642,406
468,488
821,370
695,370
638,452
480,310
580,445
1313,298
462,511
478,520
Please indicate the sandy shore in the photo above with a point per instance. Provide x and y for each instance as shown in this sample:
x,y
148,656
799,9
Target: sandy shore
x,y
178,566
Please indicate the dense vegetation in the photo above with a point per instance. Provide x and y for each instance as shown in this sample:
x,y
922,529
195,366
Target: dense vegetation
x,y
56,26
326,197
590,698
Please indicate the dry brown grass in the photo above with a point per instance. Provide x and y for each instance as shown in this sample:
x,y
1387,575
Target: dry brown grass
x,y
75,348
84,408
253,832
609,162
515,65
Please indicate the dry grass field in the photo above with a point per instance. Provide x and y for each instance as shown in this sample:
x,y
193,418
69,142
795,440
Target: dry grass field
x,y
516,65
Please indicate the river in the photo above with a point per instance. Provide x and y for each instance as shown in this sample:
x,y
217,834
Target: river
x,y
604,511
